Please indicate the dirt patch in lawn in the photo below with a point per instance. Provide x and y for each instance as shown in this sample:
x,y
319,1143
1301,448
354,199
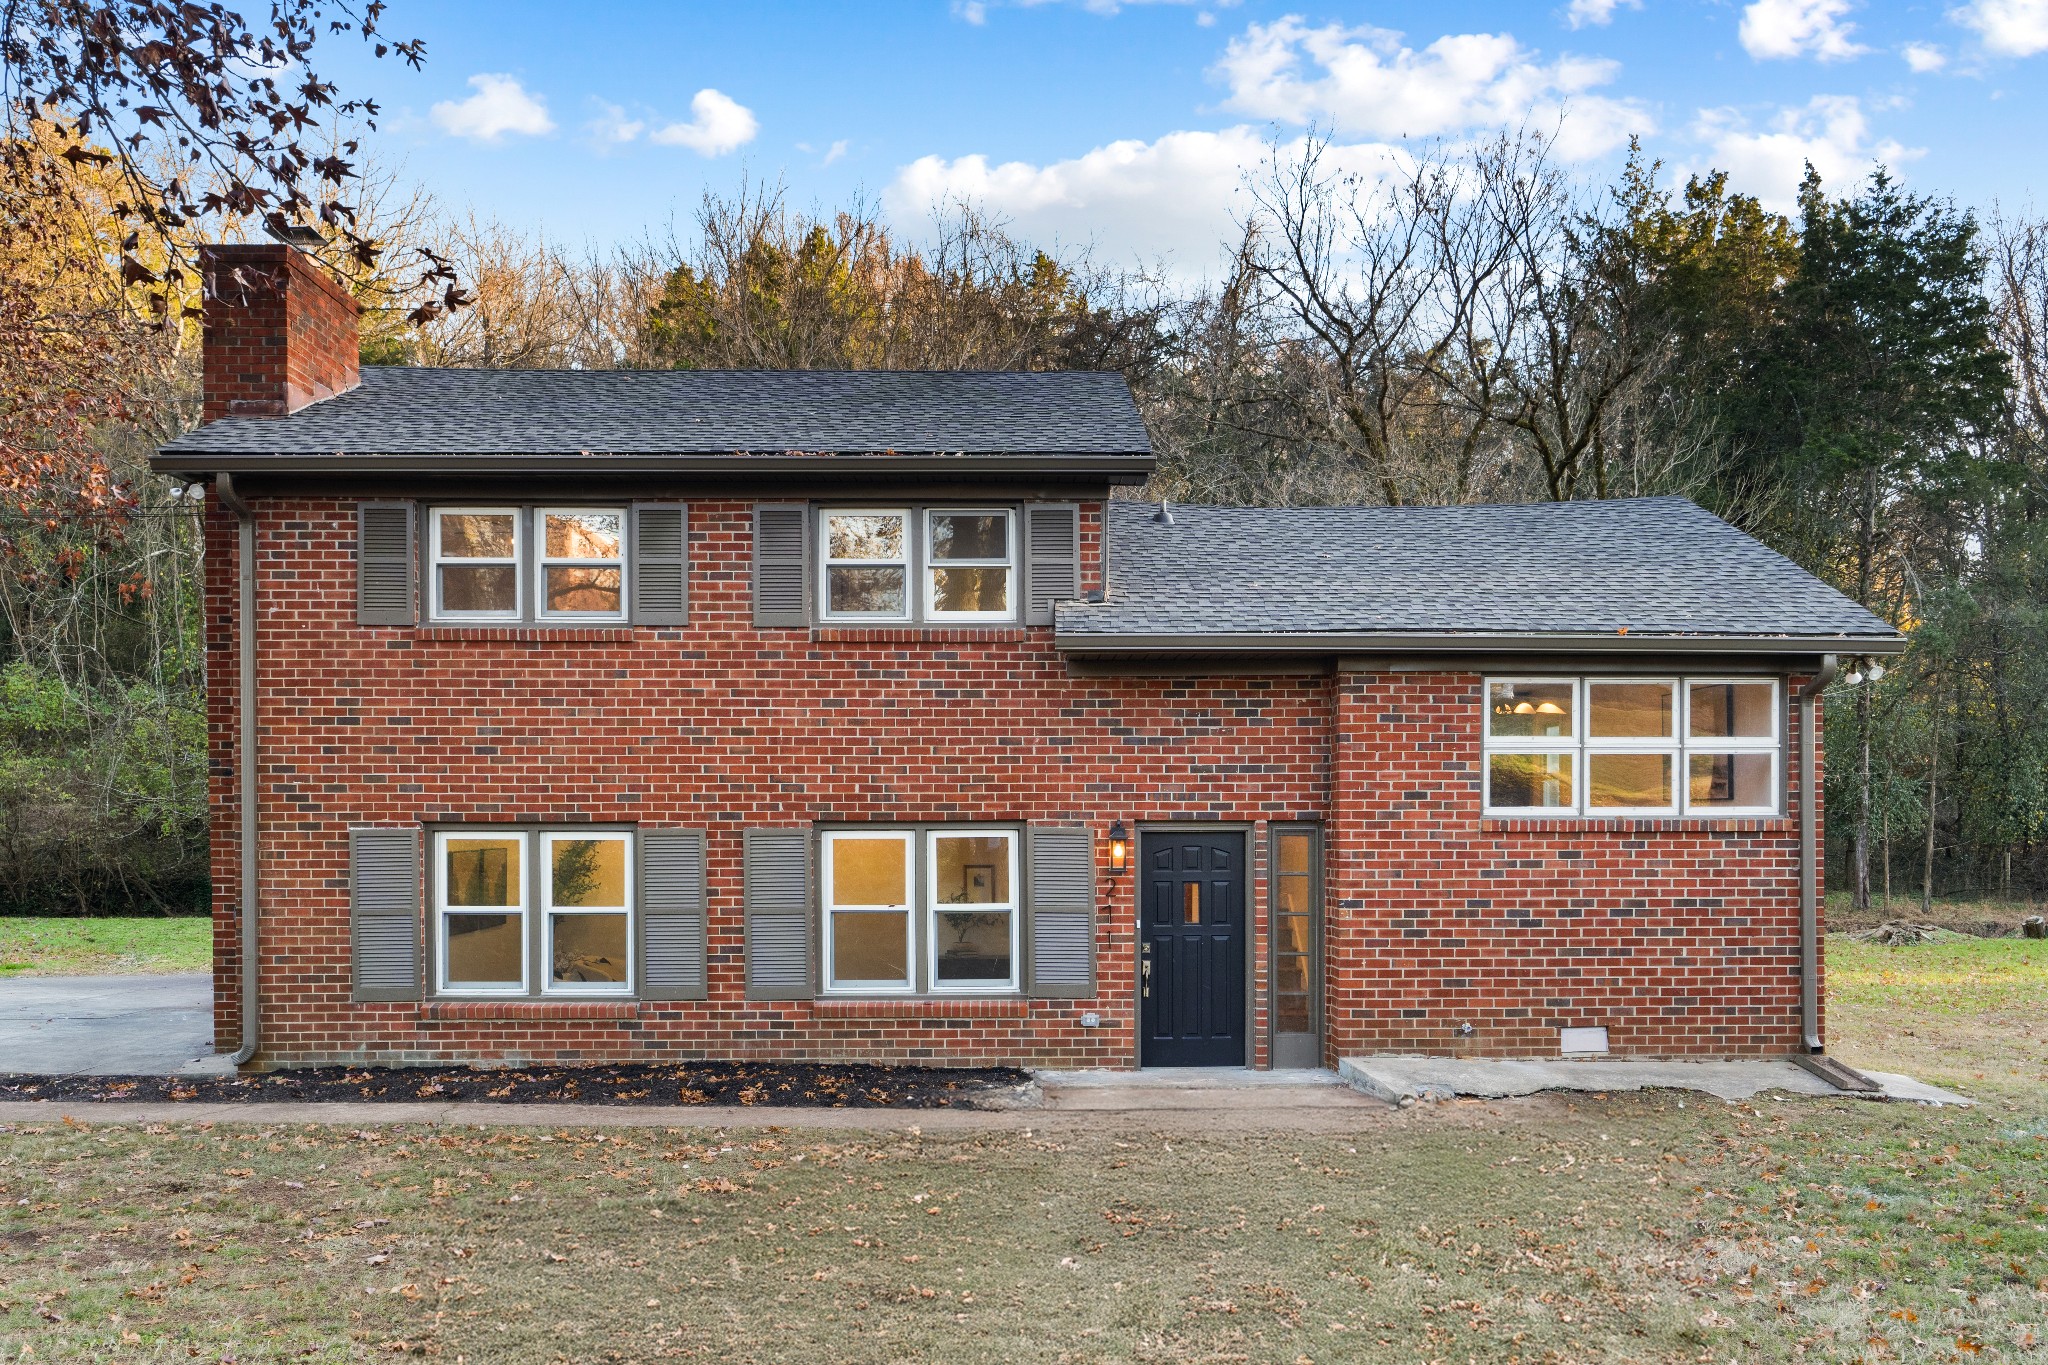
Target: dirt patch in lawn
x,y
768,1085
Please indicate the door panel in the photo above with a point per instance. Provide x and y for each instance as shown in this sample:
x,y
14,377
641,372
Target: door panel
x,y
1193,930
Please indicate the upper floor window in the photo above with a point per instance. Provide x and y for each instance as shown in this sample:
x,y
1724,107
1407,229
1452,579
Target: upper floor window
x,y
490,563
896,564
1632,746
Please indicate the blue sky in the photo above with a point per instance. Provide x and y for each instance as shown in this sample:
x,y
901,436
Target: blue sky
x,y
1125,125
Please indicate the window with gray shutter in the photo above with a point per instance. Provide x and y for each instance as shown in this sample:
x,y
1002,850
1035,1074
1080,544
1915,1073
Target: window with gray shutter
x,y
387,564
672,914
384,913
1052,556
781,575
660,576
1060,930
777,892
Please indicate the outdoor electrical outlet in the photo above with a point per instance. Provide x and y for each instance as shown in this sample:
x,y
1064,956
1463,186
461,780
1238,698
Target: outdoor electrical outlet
x,y
1091,1020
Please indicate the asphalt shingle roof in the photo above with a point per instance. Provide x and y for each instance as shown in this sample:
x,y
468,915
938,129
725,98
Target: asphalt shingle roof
x,y
1652,566
399,411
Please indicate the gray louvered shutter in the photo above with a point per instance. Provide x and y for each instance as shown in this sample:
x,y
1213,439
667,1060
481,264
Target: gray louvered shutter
x,y
387,564
661,564
384,913
1060,930
778,913
672,914
781,566
1052,558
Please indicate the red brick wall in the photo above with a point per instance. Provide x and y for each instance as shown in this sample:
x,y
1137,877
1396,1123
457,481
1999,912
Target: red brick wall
x,y
280,332
719,726
1679,937
1680,940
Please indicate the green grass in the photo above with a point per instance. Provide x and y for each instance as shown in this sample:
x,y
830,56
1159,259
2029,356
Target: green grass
x,y
1624,1228
79,947
1971,1014
1645,1228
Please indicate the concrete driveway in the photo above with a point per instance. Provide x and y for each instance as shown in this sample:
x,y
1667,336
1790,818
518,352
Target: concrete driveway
x,y
107,1025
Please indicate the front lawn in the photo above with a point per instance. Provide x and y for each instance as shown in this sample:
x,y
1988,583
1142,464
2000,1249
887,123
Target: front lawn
x,y
87,947
1624,1228
1618,1229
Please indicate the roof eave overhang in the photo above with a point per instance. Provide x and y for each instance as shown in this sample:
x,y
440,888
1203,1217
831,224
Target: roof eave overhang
x,y
1126,468
1380,644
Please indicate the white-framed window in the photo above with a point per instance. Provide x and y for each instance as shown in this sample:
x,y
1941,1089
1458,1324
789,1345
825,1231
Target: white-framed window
x,y
1656,746
533,912
867,880
865,568
1733,737
971,919
587,896
557,564
582,562
970,564
937,565
933,909
473,563
480,911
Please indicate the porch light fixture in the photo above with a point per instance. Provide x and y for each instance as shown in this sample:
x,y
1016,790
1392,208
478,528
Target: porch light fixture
x,y
1119,849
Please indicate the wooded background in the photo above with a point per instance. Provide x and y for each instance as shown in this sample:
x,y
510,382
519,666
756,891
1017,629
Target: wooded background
x,y
1863,385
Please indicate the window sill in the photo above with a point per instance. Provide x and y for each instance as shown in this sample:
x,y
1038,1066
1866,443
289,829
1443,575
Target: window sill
x,y
1636,824
918,635
456,1010
920,1006
552,634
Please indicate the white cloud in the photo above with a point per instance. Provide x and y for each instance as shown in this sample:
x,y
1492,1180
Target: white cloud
x,y
1366,82
1596,12
834,152
2010,28
1799,28
1172,198
1830,131
613,127
499,106
1924,57
718,124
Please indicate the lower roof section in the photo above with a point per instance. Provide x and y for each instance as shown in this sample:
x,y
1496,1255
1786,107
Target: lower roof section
x,y
1631,577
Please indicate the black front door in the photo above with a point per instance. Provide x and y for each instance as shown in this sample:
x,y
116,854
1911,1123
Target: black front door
x,y
1191,948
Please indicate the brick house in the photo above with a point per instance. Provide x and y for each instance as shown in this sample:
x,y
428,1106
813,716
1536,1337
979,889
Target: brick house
x,y
653,715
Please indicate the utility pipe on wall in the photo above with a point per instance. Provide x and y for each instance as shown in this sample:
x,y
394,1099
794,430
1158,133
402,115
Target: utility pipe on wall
x,y
1809,866
245,747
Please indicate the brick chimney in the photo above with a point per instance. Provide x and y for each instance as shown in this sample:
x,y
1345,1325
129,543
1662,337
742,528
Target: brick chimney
x,y
280,332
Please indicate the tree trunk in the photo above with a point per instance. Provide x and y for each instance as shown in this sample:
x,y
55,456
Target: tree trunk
x,y
1860,843
1927,868
1866,565
1887,848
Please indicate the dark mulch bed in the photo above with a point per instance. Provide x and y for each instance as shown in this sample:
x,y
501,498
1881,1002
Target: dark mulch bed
x,y
768,1084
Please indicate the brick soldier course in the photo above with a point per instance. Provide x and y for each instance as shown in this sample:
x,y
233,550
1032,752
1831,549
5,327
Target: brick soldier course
x,y
1181,683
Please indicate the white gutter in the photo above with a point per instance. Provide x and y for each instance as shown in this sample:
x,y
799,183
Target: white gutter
x,y
1809,867
245,748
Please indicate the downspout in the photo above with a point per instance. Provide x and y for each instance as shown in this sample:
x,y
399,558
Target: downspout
x,y
245,747
1809,865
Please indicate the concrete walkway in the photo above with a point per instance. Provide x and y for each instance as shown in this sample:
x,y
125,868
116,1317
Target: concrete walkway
x,y
108,1025
1193,1101
1404,1080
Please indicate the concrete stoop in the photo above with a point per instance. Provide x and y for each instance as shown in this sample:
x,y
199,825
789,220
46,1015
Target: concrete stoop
x,y
1403,1080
